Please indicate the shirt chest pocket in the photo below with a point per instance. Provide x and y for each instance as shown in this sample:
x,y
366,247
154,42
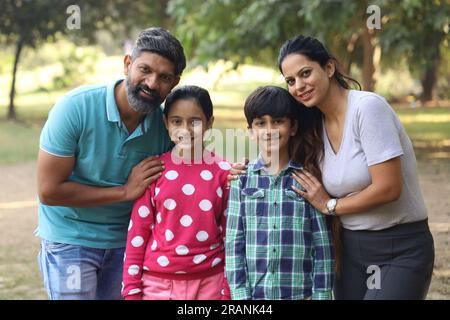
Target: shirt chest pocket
x,y
254,201
294,210
253,193
138,155
291,195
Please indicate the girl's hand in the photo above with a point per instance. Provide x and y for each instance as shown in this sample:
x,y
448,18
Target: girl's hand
x,y
315,192
237,169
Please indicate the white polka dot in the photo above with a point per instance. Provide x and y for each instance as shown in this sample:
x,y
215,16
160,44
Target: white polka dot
x,y
215,262
133,270
222,292
158,217
130,225
152,226
154,244
205,205
123,286
202,235
219,192
206,175
157,191
134,291
188,189
163,261
214,246
180,272
137,241
146,268
171,175
169,235
170,204
186,220
199,258
182,250
124,256
143,211
224,165
153,202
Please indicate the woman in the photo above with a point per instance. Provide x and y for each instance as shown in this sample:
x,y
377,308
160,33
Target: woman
x,y
368,178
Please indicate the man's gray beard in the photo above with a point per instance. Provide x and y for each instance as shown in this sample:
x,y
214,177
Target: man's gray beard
x,y
136,102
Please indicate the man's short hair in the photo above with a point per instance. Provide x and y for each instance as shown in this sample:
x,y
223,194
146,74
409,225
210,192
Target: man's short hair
x,y
162,42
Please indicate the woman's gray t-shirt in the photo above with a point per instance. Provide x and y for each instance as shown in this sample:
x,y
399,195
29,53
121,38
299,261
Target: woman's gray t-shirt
x,y
372,134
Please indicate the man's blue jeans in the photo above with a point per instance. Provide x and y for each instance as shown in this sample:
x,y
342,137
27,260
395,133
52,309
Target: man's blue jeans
x,y
72,272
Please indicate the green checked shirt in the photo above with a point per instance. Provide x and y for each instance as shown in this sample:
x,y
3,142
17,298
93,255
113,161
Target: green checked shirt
x,y
277,245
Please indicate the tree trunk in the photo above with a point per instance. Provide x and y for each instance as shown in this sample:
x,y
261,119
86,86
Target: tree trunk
x,y
11,111
350,49
368,60
429,77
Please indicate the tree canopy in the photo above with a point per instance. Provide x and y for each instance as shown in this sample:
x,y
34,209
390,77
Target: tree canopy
x,y
250,31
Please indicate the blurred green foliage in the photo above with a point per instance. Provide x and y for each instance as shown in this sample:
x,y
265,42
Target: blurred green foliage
x,y
77,64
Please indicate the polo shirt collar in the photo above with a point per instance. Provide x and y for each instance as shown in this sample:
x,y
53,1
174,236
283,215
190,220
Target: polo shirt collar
x,y
112,110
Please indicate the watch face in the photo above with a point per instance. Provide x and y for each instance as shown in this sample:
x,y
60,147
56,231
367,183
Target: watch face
x,y
331,204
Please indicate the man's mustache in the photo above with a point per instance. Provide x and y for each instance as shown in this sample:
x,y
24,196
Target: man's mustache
x,y
153,93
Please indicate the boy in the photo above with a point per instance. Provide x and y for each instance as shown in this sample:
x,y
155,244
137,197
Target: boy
x,y
277,245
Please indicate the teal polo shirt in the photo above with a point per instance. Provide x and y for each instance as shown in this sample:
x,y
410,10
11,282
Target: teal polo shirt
x,y
86,124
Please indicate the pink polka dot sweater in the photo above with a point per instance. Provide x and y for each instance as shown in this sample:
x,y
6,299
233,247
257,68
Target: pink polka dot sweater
x,y
177,227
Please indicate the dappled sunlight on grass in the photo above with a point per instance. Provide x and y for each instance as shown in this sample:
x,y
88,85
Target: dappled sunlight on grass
x,y
424,115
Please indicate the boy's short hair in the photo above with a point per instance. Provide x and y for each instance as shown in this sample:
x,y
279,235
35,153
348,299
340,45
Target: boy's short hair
x,y
162,42
272,101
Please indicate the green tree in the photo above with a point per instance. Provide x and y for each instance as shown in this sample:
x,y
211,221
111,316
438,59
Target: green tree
x,y
419,32
29,23
25,24
253,31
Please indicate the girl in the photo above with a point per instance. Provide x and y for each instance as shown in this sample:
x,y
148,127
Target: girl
x,y
175,245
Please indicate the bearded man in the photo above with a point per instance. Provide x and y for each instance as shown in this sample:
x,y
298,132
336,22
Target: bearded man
x,y
97,154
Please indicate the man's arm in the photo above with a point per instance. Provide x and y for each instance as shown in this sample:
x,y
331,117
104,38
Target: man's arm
x,y
54,189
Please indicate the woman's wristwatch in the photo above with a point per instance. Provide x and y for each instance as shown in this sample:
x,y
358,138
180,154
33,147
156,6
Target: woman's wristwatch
x,y
331,207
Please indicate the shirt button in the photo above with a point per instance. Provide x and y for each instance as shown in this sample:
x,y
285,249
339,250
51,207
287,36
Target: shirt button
x,y
274,226
274,250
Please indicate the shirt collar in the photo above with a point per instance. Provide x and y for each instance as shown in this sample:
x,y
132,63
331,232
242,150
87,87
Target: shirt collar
x,y
112,111
260,164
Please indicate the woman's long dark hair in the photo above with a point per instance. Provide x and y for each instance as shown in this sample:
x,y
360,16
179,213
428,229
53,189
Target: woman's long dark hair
x,y
309,146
